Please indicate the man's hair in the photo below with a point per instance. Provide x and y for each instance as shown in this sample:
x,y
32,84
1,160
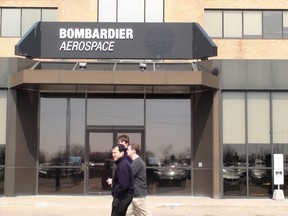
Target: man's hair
x,y
136,147
124,138
120,147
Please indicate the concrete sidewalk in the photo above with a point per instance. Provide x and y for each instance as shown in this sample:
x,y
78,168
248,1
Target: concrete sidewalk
x,y
160,206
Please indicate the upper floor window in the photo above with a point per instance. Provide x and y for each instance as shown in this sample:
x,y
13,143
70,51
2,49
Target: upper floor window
x,y
130,11
15,22
265,24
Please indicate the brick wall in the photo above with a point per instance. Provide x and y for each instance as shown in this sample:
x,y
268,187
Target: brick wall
x,y
175,11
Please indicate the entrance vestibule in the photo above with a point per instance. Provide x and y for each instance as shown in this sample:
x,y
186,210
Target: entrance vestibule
x,y
178,124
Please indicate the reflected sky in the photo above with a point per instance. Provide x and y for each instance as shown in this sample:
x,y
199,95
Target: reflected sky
x,y
168,125
168,129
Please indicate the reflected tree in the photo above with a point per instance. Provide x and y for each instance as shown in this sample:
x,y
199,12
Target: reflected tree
x,y
43,157
77,150
166,151
2,155
229,155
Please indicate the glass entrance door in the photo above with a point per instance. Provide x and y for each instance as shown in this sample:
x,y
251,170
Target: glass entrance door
x,y
99,158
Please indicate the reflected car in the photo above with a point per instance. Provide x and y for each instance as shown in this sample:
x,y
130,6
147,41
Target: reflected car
x,y
172,172
164,172
258,176
231,179
2,172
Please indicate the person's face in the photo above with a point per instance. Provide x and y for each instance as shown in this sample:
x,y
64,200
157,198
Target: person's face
x,y
129,151
123,143
116,154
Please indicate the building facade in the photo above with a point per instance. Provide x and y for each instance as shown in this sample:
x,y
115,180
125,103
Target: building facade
x,y
207,126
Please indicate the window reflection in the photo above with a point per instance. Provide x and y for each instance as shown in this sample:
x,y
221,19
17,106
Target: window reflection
x,y
168,146
259,155
100,161
272,24
235,170
60,181
2,168
255,24
234,155
285,186
62,137
115,112
234,180
64,118
16,21
2,175
260,182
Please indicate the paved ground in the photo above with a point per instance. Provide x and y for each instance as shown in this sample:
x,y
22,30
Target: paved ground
x,y
160,206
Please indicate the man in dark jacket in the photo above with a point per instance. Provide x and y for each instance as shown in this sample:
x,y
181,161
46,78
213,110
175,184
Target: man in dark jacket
x,y
122,182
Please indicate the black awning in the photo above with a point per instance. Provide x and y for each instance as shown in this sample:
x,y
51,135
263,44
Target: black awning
x,y
78,40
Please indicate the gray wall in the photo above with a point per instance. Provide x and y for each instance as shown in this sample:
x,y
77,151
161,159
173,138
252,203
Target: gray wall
x,y
12,65
21,148
254,74
202,144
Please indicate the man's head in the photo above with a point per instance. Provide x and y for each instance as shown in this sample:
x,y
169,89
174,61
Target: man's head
x,y
133,150
123,140
118,151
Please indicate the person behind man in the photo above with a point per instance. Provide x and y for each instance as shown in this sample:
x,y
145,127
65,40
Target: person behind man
x,y
122,182
139,206
123,139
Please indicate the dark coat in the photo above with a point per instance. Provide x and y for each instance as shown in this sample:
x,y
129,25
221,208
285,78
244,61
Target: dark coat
x,y
123,180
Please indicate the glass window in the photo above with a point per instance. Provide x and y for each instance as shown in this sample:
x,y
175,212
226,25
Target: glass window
x,y
2,178
252,21
29,17
285,188
154,11
115,112
272,24
11,22
65,119
2,157
3,115
58,181
260,182
280,117
258,113
233,24
280,124
213,23
49,15
131,10
234,118
285,24
234,181
107,11
168,146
